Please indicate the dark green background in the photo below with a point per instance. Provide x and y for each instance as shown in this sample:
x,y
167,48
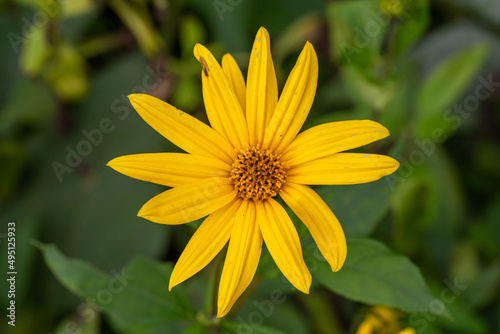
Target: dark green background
x,y
441,209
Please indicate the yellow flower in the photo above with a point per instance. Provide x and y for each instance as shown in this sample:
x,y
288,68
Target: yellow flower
x,y
252,152
382,320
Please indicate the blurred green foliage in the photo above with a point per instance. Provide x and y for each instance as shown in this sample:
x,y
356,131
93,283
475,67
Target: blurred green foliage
x,y
424,240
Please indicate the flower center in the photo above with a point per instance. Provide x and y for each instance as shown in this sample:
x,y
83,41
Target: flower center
x,y
258,174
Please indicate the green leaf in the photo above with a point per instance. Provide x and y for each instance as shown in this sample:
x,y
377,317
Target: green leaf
x,y
465,318
366,90
358,207
446,192
271,310
374,275
444,86
92,210
136,299
196,328
35,52
411,26
92,201
412,207
357,30
76,323
485,289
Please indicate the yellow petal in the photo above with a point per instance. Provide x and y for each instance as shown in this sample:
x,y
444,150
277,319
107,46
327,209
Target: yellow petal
x,y
330,138
242,257
320,220
342,168
206,243
189,202
183,130
169,169
283,243
223,108
408,330
235,77
294,103
262,88
366,327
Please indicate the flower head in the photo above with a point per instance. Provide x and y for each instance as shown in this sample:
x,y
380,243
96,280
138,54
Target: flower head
x,y
253,152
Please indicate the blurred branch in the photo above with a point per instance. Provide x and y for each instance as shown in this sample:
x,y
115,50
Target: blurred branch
x,y
140,24
105,43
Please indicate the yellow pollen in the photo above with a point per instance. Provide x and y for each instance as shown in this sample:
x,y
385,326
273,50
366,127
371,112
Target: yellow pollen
x,y
258,174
